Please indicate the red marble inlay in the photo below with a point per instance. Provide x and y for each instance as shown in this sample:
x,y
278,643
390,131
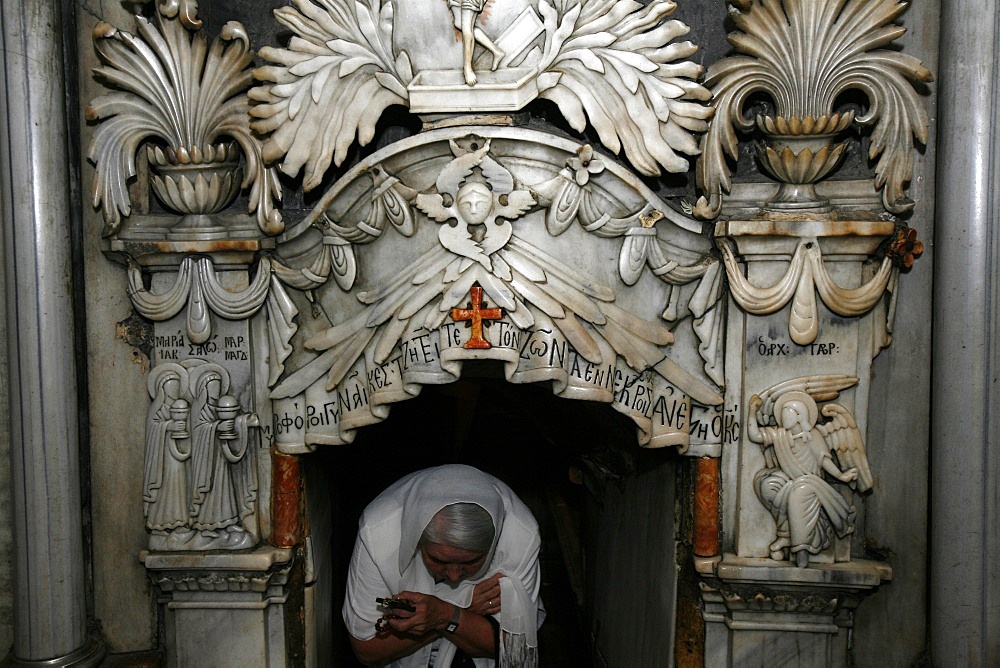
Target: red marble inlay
x,y
476,314
285,488
706,507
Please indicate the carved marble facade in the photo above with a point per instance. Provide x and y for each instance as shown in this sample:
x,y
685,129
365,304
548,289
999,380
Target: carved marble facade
x,y
528,224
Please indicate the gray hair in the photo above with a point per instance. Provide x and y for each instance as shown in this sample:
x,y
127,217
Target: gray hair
x,y
466,526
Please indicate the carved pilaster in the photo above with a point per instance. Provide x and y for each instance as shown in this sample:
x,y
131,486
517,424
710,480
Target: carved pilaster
x,y
210,604
813,270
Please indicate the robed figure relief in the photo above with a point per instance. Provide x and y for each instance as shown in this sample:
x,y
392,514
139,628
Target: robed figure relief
x,y
200,481
165,489
224,480
801,456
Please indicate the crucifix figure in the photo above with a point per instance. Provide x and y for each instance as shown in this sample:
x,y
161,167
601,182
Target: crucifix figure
x,y
476,314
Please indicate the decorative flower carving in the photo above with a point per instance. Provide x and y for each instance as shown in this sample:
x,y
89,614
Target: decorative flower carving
x,y
585,163
905,247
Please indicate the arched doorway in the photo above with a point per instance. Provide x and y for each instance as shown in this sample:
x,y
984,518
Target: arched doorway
x,y
606,509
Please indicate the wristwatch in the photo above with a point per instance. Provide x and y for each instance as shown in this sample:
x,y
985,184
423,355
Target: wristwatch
x,y
453,624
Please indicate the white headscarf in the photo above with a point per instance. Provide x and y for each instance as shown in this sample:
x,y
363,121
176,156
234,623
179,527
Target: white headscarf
x,y
414,500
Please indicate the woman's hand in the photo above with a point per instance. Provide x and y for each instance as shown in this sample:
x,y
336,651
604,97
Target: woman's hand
x,y
486,596
430,614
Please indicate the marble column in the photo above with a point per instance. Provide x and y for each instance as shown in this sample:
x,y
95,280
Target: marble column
x,y
49,580
965,465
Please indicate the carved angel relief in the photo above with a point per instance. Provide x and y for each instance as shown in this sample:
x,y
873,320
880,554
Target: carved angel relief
x,y
802,455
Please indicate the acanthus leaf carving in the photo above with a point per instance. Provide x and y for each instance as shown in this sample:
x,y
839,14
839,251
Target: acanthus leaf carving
x,y
176,90
803,54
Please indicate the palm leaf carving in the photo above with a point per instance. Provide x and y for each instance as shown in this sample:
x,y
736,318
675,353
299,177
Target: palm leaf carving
x,y
612,63
174,87
804,54
331,84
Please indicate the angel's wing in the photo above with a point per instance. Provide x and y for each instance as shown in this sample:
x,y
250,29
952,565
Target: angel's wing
x,y
821,388
516,203
844,438
433,205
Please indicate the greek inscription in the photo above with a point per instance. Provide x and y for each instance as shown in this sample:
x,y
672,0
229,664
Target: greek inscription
x,y
323,416
771,348
420,350
823,349
284,423
508,336
383,376
721,426
536,346
671,412
632,393
208,348
170,340
452,335
699,430
359,398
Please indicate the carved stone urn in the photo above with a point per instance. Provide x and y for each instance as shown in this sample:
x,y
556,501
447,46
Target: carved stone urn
x,y
799,152
196,182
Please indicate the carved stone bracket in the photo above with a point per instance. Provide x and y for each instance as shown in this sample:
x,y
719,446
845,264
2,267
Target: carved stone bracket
x,y
816,258
805,277
197,287
757,609
244,593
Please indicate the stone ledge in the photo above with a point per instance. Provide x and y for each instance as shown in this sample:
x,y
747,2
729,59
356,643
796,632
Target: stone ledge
x,y
859,574
262,559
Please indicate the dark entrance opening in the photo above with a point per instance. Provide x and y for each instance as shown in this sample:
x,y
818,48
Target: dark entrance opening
x,y
605,508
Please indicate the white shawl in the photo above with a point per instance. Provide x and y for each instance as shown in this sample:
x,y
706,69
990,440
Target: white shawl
x,y
385,560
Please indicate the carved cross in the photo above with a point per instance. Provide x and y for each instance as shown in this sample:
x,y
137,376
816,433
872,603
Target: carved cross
x,y
477,315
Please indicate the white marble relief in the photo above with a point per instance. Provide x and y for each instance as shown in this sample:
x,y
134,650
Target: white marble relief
x,y
196,286
475,211
180,102
613,64
803,55
805,277
802,455
168,448
200,484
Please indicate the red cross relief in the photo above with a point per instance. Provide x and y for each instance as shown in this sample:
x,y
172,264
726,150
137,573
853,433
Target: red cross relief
x,y
477,315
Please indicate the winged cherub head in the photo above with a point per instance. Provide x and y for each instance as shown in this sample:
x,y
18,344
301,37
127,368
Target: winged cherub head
x,y
475,202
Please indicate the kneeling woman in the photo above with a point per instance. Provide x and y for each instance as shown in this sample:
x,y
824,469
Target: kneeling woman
x,y
458,547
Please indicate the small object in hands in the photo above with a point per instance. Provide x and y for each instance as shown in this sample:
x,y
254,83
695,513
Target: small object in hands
x,y
227,408
395,603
